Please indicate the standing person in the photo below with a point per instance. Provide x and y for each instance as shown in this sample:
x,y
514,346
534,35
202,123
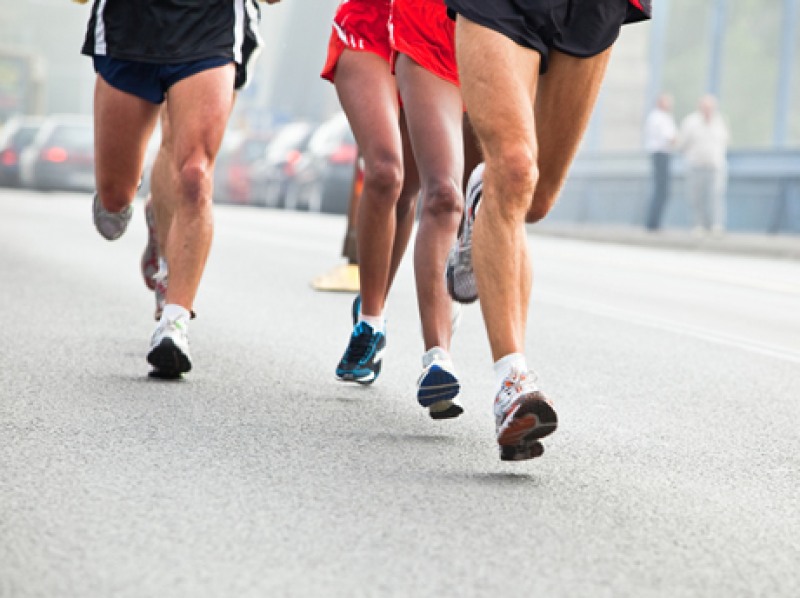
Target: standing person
x,y
659,139
530,74
144,53
427,77
704,141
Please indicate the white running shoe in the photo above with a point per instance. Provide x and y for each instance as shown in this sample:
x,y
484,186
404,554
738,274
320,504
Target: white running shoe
x,y
169,348
438,386
460,274
110,225
523,415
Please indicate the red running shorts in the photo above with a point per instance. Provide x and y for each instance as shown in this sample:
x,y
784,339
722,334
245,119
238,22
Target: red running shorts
x,y
361,25
421,30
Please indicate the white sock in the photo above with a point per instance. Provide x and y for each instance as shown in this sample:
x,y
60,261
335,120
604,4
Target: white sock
x,y
378,323
434,353
504,365
173,311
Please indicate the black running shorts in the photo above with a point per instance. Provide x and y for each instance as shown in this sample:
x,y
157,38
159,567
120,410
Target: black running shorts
x,y
580,28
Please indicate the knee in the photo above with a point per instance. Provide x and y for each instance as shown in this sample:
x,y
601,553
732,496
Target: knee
x,y
194,177
514,174
383,179
443,198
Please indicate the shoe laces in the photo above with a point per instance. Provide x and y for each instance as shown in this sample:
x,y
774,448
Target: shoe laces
x,y
515,384
361,341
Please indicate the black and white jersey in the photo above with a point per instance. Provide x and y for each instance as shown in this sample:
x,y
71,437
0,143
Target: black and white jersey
x,y
172,31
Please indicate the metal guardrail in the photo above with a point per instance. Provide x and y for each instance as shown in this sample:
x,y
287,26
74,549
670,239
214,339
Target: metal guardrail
x,y
614,188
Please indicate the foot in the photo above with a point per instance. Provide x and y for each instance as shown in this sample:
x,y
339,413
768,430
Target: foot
x,y
460,275
362,360
523,416
169,348
149,261
110,225
438,387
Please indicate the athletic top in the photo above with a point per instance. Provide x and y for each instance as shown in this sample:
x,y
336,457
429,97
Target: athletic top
x,y
169,31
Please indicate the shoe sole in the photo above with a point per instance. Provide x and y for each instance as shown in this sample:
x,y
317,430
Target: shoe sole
x,y
450,275
168,359
518,436
445,410
344,376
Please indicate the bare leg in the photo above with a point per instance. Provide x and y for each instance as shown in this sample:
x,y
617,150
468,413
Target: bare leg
x,y
434,112
123,124
564,104
499,81
198,112
162,179
501,100
406,212
373,117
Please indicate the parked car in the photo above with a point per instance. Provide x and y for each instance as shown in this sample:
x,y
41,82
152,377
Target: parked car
x,y
324,174
17,134
238,157
272,174
61,156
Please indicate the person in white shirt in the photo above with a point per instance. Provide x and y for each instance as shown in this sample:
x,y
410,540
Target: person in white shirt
x,y
659,139
704,139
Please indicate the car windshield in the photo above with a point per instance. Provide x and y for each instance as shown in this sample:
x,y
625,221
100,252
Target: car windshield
x,y
77,136
23,136
290,137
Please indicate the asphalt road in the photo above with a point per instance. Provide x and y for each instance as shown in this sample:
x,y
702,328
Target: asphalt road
x,y
675,471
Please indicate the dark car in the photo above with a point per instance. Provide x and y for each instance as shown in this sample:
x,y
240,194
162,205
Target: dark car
x,y
233,173
324,174
61,156
17,134
272,174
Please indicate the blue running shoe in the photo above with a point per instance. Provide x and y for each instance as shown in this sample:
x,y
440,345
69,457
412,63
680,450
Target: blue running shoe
x,y
438,387
362,360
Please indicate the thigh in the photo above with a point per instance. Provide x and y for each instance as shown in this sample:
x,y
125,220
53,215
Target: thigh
x,y
368,95
123,124
198,108
434,113
498,83
564,103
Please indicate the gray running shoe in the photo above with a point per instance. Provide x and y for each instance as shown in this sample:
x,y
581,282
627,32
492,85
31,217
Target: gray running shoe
x,y
169,348
460,275
110,225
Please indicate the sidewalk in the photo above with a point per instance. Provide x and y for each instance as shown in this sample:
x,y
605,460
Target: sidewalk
x,y
760,245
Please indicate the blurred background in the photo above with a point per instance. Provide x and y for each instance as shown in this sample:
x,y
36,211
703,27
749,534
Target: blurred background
x,y
278,153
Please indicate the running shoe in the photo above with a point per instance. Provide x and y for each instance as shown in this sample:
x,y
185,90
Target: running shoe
x,y
149,261
460,274
110,225
523,415
169,348
362,360
438,387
